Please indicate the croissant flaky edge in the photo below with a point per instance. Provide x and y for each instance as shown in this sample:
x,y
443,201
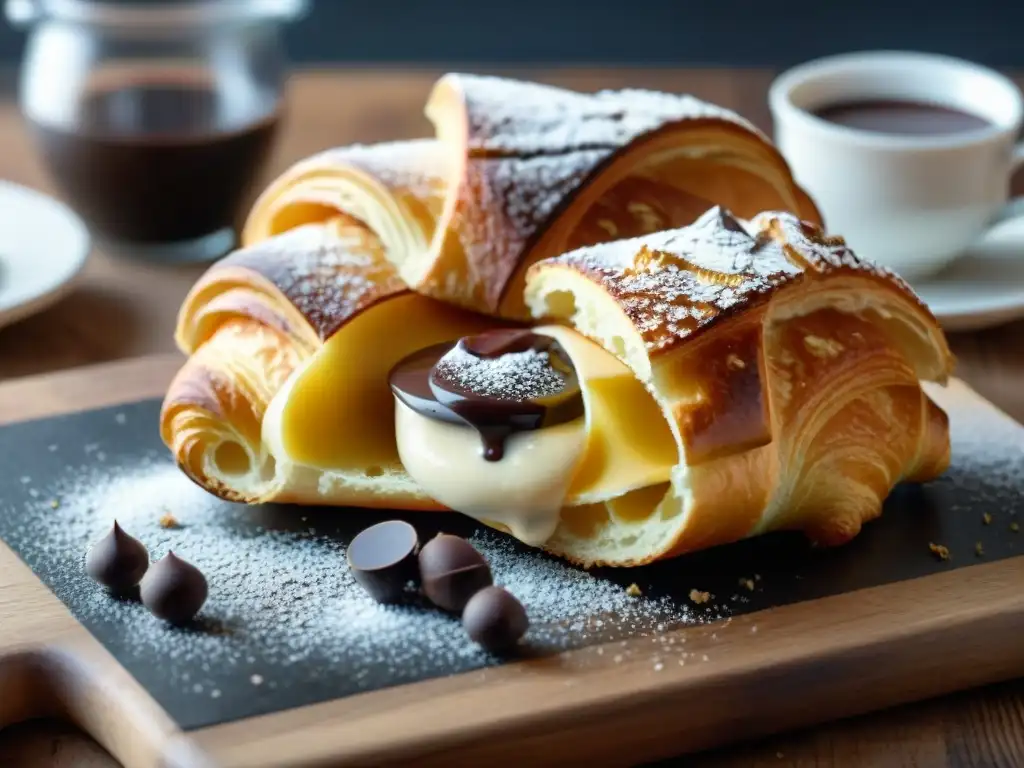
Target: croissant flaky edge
x,y
478,216
761,348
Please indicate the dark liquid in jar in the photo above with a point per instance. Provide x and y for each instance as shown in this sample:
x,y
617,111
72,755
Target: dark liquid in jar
x,y
906,118
154,161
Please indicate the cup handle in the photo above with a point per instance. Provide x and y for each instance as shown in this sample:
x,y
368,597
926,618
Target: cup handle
x,y
1014,207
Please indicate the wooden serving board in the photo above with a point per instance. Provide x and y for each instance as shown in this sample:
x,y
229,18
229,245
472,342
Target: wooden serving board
x,y
820,635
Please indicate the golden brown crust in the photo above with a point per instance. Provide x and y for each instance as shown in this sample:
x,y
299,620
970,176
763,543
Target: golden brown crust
x,y
395,189
675,285
313,278
787,368
530,148
221,394
520,172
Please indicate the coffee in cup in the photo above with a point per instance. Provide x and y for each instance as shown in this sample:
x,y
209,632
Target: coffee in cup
x,y
908,155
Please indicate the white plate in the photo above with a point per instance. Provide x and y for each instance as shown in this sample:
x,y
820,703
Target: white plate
x,y
43,247
985,286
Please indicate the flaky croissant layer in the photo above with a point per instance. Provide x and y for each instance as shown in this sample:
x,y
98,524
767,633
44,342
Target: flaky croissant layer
x,y
739,377
786,371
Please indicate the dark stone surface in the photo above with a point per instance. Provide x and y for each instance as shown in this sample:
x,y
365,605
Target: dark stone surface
x,y
894,548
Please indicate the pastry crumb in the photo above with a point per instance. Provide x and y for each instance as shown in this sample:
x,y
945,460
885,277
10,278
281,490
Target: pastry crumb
x,y
1015,527
979,550
735,362
748,583
821,347
986,519
256,679
939,550
168,520
633,590
699,597
54,504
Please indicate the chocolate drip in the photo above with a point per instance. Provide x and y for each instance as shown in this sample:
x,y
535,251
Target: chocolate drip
x,y
499,383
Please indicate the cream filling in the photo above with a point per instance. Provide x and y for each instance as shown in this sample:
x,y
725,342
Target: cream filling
x,y
621,444
523,491
328,424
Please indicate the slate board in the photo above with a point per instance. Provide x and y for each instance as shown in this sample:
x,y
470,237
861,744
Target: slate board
x,y
949,511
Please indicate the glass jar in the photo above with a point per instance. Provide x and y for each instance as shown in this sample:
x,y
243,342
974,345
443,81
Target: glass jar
x,y
155,118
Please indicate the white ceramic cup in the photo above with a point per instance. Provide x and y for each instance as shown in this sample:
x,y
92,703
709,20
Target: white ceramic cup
x,y
912,203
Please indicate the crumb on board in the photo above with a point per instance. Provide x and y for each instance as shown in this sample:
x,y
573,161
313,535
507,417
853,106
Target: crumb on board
x,y
1015,526
699,597
633,590
256,679
986,519
748,583
54,504
939,550
168,520
979,550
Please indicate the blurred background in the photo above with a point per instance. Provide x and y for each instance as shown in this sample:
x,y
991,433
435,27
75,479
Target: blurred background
x,y
666,32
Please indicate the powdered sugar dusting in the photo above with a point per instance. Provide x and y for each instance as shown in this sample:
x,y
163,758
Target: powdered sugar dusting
x,y
283,601
525,375
674,282
526,118
329,273
285,625
532,146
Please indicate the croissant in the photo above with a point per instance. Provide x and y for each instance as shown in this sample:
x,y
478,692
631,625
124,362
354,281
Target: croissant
x,y
521,171
283,397
787,371
734,372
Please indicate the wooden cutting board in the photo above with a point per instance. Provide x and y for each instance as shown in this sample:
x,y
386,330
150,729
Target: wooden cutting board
x,y
789,636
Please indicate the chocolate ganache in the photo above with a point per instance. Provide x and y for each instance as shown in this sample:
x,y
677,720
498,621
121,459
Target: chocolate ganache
x,y
498,382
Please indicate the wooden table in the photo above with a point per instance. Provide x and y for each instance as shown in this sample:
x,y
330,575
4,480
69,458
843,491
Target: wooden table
x,y
123,308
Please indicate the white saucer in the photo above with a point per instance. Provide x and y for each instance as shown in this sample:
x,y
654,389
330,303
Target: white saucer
x,y
985,286
43,247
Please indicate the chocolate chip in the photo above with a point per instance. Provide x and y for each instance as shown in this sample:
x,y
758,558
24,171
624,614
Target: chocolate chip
x,y
495,619
382,559
452,572
117,561
173,590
